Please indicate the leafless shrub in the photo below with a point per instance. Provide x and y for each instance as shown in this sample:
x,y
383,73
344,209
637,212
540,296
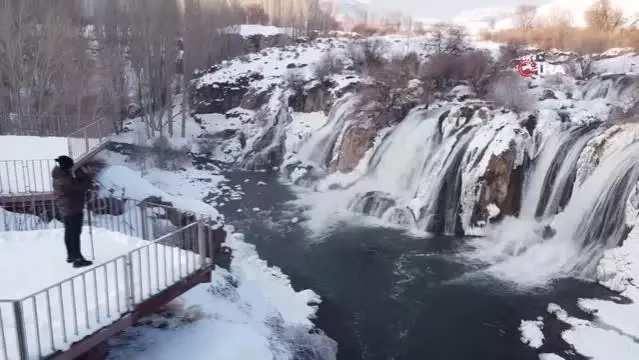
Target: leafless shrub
x,y
329,64
366,54
510,51
295,80
476,68
166,157
398,71
448,39
511,92
364,29
439,71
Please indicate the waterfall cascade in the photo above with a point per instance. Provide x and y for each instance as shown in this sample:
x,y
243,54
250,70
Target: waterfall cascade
x,y
418,176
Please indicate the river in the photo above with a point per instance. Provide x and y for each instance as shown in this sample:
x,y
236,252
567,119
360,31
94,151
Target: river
x,y
389,295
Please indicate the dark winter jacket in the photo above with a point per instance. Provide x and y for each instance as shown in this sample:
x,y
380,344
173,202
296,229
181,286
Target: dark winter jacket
x,y
70,192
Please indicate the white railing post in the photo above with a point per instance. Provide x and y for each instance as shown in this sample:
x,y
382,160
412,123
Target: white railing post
x,y
201,242
144,222
129,284
86,139
69,141
20,331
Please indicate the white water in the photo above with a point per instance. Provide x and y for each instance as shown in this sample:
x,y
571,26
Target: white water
x,y
398,164
561,149
589,224
565,174
538,173
318,149
435,175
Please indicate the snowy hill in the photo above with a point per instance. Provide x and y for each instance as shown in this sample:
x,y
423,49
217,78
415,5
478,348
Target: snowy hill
x,y
503,17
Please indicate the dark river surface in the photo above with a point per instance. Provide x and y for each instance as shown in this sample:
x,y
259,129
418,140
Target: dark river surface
x,y
387,295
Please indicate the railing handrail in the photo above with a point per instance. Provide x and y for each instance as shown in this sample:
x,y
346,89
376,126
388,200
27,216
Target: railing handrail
x,y
15,160
84,127
70,278
114,259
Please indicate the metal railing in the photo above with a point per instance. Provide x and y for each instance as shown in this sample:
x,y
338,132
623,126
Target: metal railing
x,y
53,318
25,176
89,137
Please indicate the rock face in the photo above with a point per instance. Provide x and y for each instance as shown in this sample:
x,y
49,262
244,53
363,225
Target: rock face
x,y
220,97
267,151
603,145
500,185
355,143
493,173
314,97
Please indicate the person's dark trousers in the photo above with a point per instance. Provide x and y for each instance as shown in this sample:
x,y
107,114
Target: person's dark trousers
x,y
72,232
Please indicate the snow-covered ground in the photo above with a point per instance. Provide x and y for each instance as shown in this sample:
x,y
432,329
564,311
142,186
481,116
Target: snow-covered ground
x,y
85,299
251,312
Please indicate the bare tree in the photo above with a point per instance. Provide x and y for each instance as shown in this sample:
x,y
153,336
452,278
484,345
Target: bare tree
x,y
525,16
602,16
153,26
448,39
42,51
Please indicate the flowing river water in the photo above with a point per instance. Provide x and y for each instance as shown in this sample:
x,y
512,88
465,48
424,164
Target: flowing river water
x,y
389,295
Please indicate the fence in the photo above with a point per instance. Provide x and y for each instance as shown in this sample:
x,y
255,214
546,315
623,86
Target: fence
x,y
25,176
53,318
88,138
33,176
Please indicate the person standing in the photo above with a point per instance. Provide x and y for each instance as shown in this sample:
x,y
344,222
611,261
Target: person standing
x,y
69,192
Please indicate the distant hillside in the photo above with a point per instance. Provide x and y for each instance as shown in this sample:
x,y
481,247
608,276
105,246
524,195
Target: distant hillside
x,y
504,17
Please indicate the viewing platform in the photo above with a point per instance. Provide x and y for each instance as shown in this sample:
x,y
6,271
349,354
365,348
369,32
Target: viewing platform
x,y
143,259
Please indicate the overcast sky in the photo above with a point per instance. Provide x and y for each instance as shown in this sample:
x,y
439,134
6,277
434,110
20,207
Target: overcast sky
x,y
445,9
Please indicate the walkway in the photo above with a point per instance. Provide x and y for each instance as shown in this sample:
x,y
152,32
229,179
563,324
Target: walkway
x,y
50,309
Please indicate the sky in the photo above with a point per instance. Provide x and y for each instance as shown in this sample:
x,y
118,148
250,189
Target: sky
x,y
444,9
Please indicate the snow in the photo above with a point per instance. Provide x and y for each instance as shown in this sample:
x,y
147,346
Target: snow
x,y
32,147
493,210
550,356
247,30
105,305
29,170
531,333
273,64
250,313
253,312
302,126
602,146
504,16
125,182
